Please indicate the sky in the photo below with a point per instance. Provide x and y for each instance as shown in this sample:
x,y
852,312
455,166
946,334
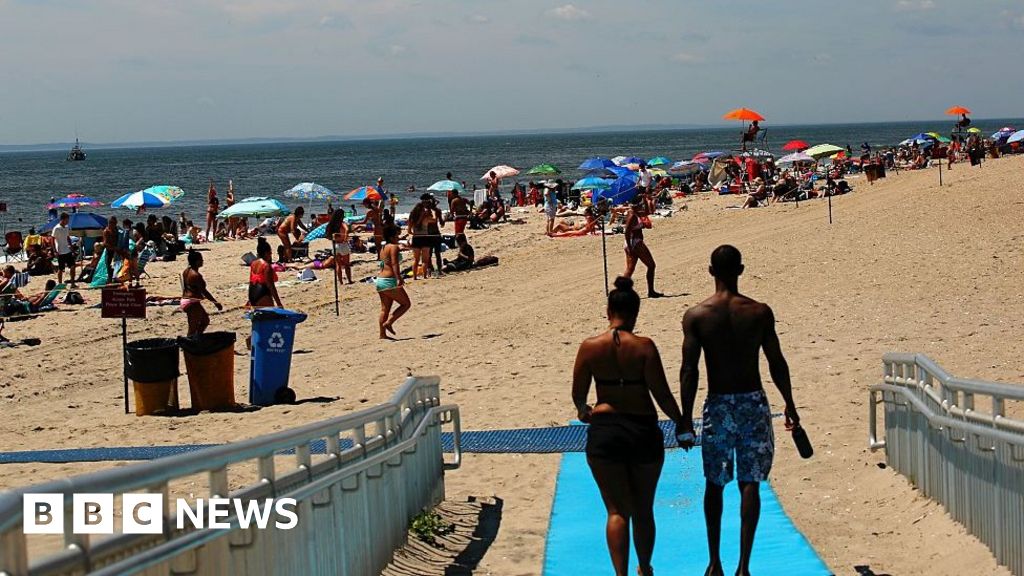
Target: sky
x,y
156,70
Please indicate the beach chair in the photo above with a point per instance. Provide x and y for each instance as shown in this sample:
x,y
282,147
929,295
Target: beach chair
x,y
14,246
145,257
17,308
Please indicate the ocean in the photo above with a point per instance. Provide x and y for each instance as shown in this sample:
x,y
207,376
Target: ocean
x,y
29,179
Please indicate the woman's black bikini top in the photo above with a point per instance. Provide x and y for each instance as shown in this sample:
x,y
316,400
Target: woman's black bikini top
x,y
619,381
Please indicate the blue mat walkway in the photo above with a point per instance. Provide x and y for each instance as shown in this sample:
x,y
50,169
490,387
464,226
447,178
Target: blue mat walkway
x,y
576,541
515,441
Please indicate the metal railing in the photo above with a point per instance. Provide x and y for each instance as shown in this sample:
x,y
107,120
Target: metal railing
x,y
380,467
952,439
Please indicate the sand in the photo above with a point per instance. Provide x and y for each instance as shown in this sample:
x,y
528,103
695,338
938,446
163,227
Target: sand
x,y
906,266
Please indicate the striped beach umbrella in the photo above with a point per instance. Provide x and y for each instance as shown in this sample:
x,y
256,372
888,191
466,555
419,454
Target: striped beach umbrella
x,y
364,193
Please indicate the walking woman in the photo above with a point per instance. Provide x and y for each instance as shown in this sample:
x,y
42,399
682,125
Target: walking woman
x,y
262,290
636,250
625,447
421,219
193,292
337,231
390,285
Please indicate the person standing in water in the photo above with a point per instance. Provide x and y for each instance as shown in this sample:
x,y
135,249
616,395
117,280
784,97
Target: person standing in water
x,y
193,292
625,447
636,249
731,329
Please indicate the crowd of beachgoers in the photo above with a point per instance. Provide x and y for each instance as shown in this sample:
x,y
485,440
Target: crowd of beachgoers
x,y
614,196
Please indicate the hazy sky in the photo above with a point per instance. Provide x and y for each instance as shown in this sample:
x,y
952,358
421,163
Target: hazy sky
x,y
130,70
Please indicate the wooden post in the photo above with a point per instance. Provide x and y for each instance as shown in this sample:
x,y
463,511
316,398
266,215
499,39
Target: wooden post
x,y
604,255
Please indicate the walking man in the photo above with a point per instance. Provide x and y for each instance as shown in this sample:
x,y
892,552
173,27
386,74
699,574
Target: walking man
x,y
65,256
731,329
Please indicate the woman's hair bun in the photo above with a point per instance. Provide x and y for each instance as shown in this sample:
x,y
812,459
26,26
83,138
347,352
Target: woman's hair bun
x,y
623,283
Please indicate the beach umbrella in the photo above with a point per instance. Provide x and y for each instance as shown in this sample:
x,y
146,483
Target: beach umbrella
x,y
1015,137
709,155
171,193
544,170
744,114
310,191
796,145
77,221
957,110
687,167
255,207
1003,133
630,160
75,201
595,163
619,171
657,172
622,190
141,199
592,183
446,185
502,171
795,157
974,130
658,161
364,193
618,160
317,233
823,151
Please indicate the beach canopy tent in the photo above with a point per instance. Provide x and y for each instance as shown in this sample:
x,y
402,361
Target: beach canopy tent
x,y
718,174
77,221
685,167
371,193
957,111
544,170
1015,137
75,201
758,153
310,191
446,185
622,190
596,163
592,183
796,145
255,207
823,151
502,171
795,158
659,161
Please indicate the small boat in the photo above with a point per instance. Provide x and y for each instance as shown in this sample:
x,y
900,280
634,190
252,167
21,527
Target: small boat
x,y
76,154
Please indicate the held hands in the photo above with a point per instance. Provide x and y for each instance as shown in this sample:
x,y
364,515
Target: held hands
x,y
685,436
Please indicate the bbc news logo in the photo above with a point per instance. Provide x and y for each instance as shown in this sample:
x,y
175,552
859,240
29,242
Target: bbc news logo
x,y
143,513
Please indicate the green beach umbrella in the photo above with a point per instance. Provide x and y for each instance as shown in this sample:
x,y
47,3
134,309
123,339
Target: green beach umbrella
x,y
823,150
658,161
544,170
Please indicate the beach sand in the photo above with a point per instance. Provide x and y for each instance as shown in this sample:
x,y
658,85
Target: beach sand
x,y
906,266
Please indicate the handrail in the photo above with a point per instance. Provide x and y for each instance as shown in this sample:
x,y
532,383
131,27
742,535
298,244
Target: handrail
x,y
968,458
397,427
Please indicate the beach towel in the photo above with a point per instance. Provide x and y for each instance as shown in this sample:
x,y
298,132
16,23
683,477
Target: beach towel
x,y
99,277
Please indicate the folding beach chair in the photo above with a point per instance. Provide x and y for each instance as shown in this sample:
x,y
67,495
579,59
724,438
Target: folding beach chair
x,y
145,257
14,246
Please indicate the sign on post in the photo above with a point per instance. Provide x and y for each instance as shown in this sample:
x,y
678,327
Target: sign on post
x,y
123,303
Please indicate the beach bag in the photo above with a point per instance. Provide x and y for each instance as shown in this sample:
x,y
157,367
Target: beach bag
x,y
73,297
307,275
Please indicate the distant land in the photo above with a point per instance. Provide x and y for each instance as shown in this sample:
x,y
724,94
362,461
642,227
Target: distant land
x,y
610,128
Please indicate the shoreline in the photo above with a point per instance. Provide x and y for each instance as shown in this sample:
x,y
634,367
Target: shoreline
x,y
502,339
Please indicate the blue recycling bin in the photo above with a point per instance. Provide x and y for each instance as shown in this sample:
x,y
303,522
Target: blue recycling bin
x,y
273,335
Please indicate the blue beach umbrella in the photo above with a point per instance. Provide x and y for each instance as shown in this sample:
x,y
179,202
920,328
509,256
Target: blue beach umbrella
x,y
631,160
141,199
317,233
1015,137
595,163
446,185
658,161
75,201
310,191
171,193
622,190
255,207
78,221
592,183
619,171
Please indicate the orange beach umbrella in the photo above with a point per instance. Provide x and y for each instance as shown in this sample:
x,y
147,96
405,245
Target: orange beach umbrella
x,y
743,114
957,110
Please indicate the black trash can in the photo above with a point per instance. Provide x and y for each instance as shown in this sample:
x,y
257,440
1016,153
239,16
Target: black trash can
x,y
152,365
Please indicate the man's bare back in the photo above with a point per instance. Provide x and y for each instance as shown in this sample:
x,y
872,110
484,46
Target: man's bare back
x,y
730,329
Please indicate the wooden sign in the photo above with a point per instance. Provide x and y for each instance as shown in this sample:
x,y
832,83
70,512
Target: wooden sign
x,y
123,303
